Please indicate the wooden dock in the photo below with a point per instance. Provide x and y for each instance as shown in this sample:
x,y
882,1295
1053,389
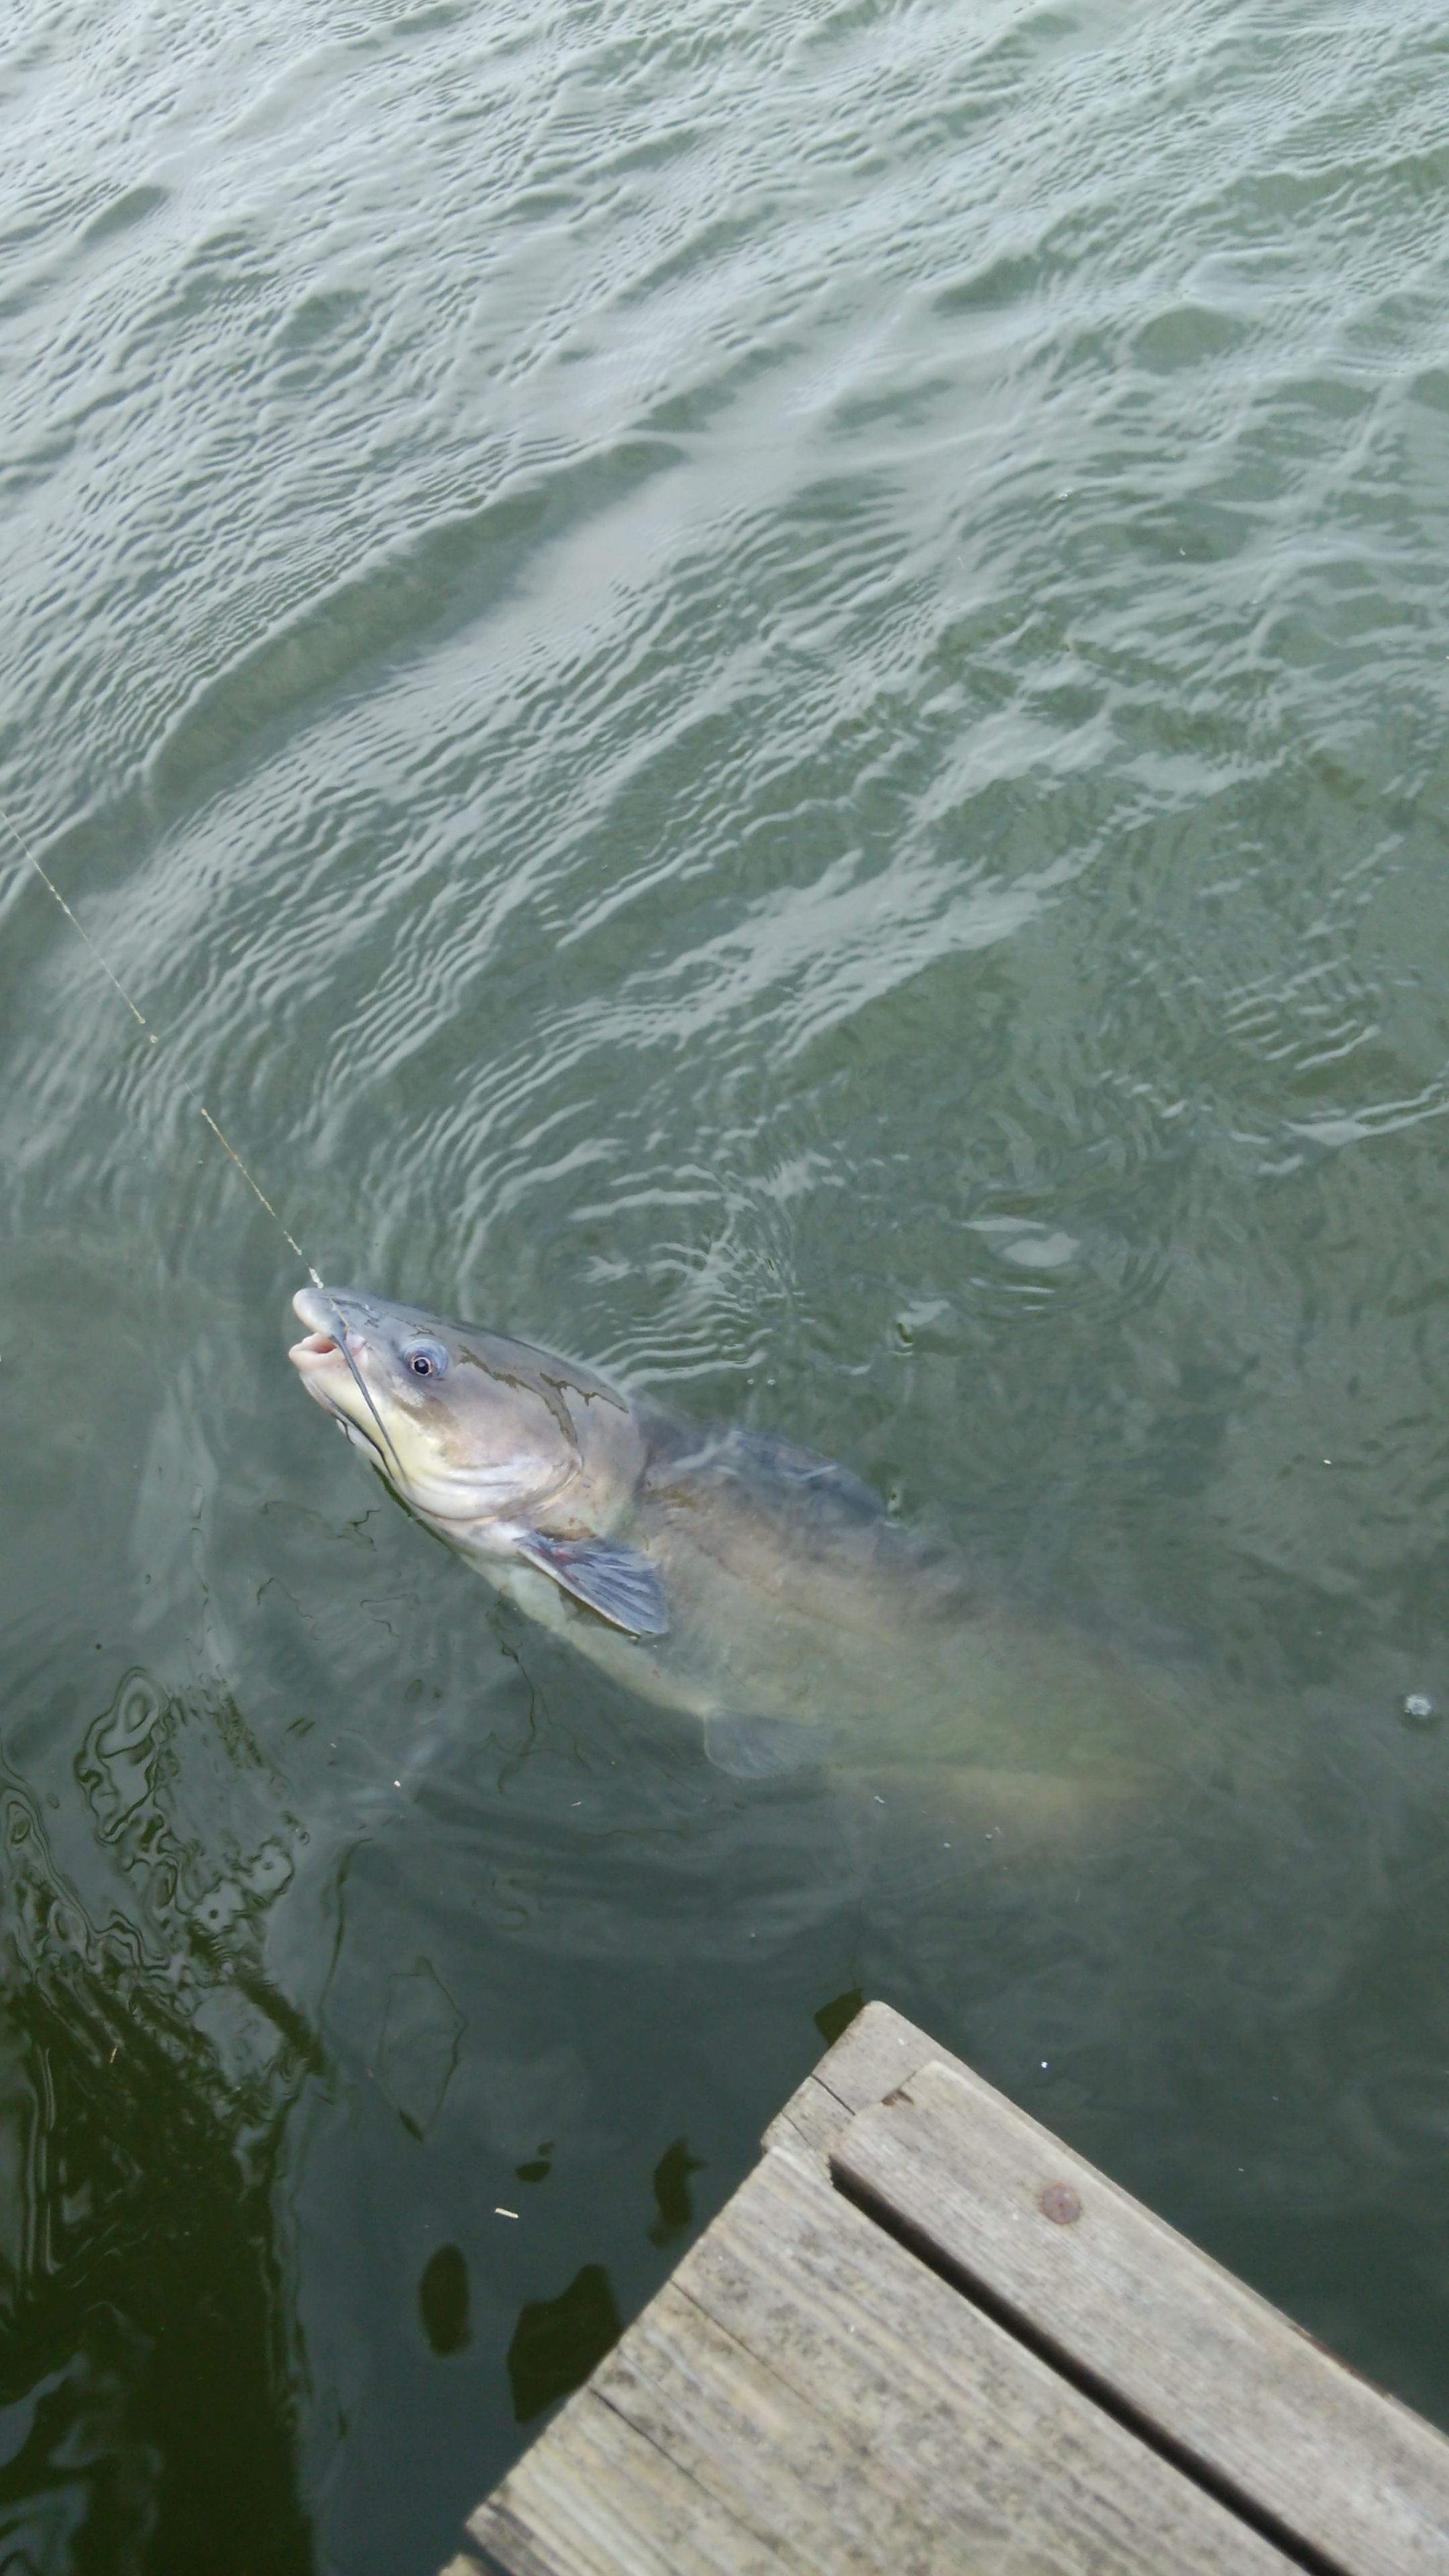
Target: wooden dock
x,y
926,2339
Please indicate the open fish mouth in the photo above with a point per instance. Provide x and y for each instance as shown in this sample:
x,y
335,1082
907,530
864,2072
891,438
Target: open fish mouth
x,y
328,1369
321,1343
326,1358
323,1320
316,1346
318,1358
314,1361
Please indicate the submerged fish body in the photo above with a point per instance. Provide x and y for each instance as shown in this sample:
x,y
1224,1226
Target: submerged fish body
x,y
721,1572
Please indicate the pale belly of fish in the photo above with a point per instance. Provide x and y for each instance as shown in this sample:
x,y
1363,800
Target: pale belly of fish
x,y
807,1627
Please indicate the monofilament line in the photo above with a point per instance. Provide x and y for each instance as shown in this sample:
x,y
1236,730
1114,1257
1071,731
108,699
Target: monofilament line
x,y
227,1147
139,1016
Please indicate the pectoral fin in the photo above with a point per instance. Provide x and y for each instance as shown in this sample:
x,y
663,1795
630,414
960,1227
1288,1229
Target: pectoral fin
x,y
761,1748
618,1582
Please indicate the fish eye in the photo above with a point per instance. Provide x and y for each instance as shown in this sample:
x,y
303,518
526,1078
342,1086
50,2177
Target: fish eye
x,y
425,1359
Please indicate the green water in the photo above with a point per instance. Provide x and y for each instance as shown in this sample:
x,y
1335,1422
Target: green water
x,y
760,693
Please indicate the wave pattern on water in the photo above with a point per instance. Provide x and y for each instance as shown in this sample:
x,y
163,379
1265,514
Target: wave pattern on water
x,y
763,693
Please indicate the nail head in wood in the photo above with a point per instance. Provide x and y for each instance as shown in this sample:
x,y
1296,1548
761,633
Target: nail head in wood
x,y
1060,2204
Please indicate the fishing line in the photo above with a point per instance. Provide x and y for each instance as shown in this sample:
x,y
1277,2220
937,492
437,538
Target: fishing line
x,y
194,1096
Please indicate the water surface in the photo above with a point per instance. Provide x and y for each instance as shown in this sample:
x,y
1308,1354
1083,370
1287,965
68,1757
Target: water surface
x,y
760,693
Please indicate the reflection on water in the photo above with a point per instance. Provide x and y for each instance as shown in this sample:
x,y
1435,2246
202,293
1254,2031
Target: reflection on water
x,y
145,2076
184,1799
418,2049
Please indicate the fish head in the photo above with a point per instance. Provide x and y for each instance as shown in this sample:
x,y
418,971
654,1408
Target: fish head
x,y
468,1426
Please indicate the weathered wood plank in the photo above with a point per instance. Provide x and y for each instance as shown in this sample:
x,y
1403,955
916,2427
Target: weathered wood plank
x,y
597,2498
878,2051
806,2396
936,2386
1215,2371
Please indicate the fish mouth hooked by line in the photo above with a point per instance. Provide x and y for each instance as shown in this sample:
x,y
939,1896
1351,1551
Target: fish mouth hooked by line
x,y
310,1356
514,1457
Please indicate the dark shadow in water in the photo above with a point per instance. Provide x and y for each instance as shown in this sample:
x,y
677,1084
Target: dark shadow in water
x,y
443,2302
835,2017
672,2193
146,2352
557,2342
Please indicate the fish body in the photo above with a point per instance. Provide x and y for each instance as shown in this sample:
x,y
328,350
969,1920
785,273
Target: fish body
x,y
720,1572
